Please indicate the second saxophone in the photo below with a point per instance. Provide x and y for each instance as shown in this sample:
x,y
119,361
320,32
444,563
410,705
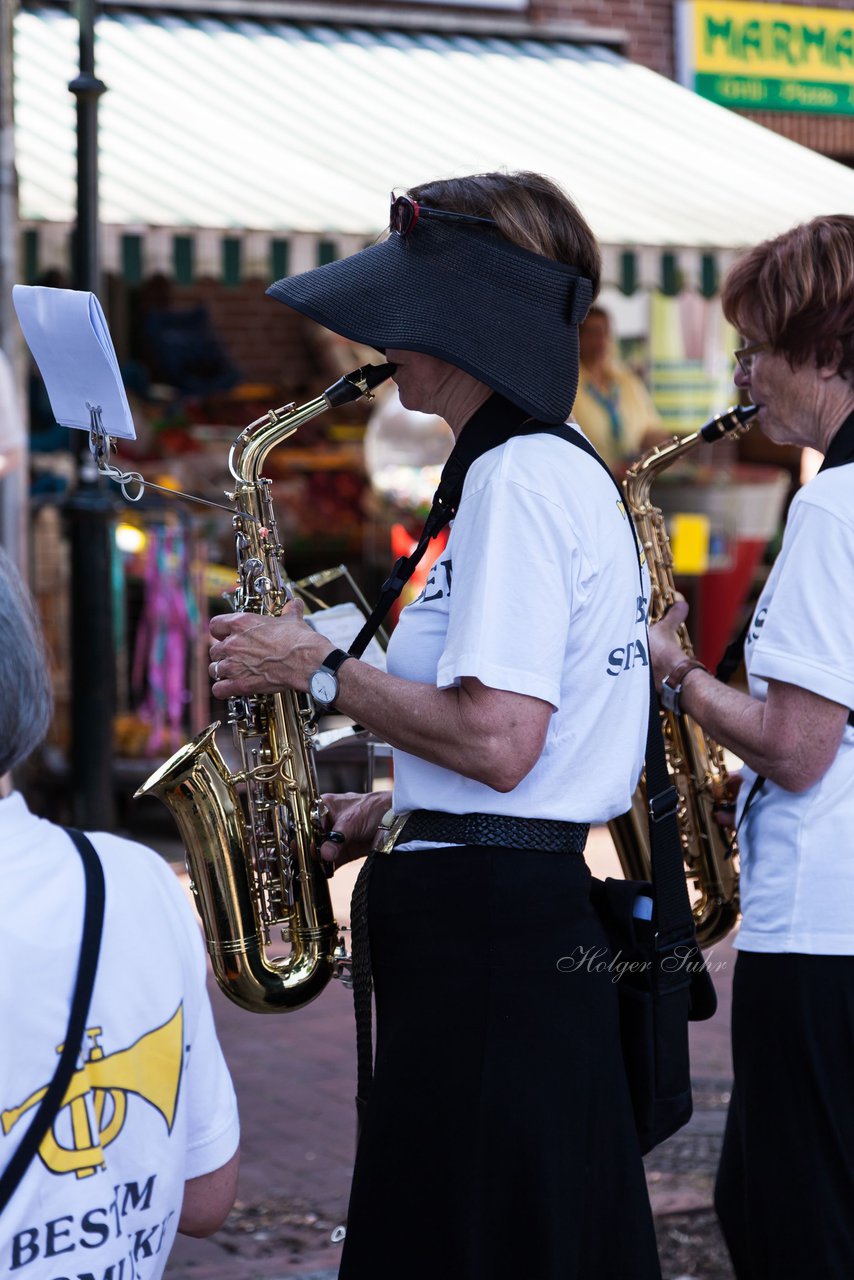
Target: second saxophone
x,y
695,761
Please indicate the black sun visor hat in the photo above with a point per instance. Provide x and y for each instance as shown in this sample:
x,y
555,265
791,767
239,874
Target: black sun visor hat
x,y
452,287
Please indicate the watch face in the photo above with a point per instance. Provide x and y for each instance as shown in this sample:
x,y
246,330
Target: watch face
x,y
323,687
669,697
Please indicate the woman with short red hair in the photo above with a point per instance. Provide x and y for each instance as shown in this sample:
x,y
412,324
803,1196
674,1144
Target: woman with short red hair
x,y
785,1191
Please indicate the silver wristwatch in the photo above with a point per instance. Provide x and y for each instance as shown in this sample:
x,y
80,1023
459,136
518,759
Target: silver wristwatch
x,y
671,685
323,683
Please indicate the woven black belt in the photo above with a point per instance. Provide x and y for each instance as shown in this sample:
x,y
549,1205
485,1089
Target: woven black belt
x,y
495,829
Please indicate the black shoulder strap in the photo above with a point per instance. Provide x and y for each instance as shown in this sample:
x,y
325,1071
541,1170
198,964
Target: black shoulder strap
x,y
93,919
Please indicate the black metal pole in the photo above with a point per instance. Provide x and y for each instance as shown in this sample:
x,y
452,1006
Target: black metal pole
x,y
90,507
87,89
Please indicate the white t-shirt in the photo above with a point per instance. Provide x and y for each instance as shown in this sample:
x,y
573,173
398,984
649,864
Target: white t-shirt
x,y
538,593
152,1104
797,859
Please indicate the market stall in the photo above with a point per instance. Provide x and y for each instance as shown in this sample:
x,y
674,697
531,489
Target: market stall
x,y
214,197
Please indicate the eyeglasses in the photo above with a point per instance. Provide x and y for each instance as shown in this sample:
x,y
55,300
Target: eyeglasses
x,y
405,212
746,355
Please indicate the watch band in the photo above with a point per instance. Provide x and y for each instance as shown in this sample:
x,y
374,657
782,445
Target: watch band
x,y
671,685
334,660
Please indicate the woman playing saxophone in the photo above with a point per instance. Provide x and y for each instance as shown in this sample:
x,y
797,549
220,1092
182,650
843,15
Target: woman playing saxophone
x,y
786,1180
499,1079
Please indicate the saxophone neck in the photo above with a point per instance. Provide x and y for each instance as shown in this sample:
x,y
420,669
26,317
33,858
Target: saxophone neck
x,y
733,422
251,448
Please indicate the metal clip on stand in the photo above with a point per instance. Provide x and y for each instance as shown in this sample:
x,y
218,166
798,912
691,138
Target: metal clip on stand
x,y
102,445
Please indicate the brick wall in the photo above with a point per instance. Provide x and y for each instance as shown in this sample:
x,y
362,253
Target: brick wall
x,y
648,23
264,339
831,135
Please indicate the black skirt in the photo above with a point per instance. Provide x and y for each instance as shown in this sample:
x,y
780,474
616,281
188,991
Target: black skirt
x,y
499,1140
785,1188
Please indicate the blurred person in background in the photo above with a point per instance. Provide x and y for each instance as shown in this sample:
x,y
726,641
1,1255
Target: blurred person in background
x,y
613,407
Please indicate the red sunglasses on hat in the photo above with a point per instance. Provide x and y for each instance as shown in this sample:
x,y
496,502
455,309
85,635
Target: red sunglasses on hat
x,y
405,212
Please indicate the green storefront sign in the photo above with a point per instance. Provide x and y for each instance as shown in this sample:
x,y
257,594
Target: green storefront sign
x,y
768,57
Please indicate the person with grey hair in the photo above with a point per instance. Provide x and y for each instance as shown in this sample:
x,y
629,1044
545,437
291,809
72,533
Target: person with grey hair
x,y
146,1141
26,699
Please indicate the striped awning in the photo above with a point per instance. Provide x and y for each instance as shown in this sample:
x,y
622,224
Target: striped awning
x,y
246,148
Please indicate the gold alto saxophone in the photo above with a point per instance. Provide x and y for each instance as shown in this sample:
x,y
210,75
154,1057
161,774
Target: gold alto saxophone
x,y
253,857
695,761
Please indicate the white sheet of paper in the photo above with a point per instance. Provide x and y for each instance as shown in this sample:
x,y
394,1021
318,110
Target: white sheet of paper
x,y
67,332
341,624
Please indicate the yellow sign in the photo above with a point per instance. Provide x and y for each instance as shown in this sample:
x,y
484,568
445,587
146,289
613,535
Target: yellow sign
x,y
768,56
689,542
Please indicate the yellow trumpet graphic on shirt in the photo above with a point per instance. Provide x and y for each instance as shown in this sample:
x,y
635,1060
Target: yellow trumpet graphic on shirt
x,y
97,1097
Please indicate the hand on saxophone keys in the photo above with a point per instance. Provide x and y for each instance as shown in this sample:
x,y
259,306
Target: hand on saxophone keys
x,y
258,653
665,648
353,819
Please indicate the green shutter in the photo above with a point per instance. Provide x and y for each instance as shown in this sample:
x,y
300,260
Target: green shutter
x,y
183,250
280,259
326,252
628,272
31,256
669,275
132,258
231,255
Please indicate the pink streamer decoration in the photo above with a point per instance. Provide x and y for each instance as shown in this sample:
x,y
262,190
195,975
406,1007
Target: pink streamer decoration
x,y
164,636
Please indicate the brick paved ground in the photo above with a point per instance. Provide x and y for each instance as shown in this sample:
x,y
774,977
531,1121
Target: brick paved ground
x,y
294,1076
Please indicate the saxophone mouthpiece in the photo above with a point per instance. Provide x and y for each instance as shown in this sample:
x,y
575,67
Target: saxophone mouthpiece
x,y
377,373
360,382
737,415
